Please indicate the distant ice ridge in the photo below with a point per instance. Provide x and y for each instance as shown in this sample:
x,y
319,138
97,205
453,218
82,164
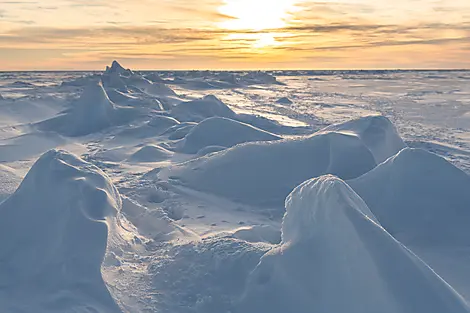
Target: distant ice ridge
x,y
53,233
336,257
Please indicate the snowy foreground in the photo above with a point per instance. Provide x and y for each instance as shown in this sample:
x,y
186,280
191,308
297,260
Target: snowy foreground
x,y
217,192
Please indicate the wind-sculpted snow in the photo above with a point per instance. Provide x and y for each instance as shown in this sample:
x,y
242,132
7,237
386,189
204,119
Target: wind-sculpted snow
x,y
335,257
263,173
377,133
93,112
151,153
218,131
420,198
53,233
200,109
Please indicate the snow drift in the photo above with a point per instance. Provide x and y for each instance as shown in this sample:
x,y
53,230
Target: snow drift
x,y
263,173
200,109
151,153
93,112
53,233
420,198
377,133
218,131
335,257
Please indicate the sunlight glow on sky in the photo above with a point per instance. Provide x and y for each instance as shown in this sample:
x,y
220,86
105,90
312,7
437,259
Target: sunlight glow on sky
x,y
234,34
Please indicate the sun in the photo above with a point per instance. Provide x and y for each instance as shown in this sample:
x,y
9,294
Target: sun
x,y
257,15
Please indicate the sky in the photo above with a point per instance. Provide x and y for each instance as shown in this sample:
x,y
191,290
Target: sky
x,y
234,34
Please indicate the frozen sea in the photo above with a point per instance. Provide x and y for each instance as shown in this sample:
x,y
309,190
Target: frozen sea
x,y
188,173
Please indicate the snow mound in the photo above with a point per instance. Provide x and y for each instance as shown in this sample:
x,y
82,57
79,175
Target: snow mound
x,y
151,153
335,257
54,232
419,198
200,109
263,173
219,131
377,133
93,112
284,100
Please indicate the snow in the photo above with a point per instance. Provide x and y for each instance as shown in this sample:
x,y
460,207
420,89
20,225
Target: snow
x,y
9,181
419,198
263,173
335,257
202,162
222,132
284,100
151,153
93,112
200,109
377,133
51,258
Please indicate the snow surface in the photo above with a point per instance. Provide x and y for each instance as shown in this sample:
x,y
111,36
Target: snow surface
x,y
51,256
335,257
222,132
264,173
202,162
377,133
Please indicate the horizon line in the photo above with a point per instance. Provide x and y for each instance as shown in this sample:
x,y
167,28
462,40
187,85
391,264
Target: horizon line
x,y
252,70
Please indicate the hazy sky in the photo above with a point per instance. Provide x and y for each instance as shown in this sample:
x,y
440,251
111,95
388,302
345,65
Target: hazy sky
x,y
234,34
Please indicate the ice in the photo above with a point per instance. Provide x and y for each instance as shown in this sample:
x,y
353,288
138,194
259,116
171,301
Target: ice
x,y
263,173
335,257
222,132
51,255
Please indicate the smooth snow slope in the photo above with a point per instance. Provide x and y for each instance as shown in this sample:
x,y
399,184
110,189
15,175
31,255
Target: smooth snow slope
x,y
219,131
200,109
335,257
377,133
263,173
420,198
53,233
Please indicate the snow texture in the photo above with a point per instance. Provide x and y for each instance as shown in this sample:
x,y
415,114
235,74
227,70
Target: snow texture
x,y
335,257
50,260
419,197
223,132
264,173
